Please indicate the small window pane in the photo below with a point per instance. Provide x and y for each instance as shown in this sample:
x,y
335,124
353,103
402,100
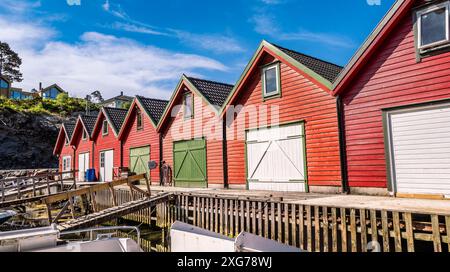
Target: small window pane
x,y
271,86
433,27
105,127
188,106
139,120
84,135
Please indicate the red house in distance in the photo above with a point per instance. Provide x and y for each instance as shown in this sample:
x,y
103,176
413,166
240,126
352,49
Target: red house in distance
x,y
84,146
141,142
107,147
63,150
193,133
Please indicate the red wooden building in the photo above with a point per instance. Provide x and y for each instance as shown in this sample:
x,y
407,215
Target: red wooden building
x,y
140,140
84,146
193,134
396,101
63,150
107,148
282,126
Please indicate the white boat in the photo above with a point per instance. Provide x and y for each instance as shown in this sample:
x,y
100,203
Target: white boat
x,y
188,238
50,239
6,215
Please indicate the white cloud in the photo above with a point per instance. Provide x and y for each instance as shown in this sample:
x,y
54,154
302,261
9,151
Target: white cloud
x,y
213,42
265,24
99,62
272,2
114,9
217,43
136,29
19,6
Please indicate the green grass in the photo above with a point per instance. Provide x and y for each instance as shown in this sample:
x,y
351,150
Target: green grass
x,y
62,106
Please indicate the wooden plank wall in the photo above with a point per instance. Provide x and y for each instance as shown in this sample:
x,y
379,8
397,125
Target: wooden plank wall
x,y
312,228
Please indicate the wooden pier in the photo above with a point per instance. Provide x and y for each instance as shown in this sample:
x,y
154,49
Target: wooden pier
x,y
316,228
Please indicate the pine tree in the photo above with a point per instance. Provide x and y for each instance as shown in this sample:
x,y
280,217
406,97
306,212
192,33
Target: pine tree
x,y
10,63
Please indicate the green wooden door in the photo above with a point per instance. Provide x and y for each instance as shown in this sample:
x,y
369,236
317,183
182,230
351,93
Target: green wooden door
x,y
139,158
190,164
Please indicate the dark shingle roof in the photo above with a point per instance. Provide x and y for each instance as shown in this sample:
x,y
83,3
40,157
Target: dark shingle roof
x,y
69,127
89,122
215,92
117,117
327,70
154,107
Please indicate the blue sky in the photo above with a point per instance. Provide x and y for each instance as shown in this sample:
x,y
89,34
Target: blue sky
x,y
143,47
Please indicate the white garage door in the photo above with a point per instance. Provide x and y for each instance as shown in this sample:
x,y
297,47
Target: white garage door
x,y
420,150
83,165
106,165
275,159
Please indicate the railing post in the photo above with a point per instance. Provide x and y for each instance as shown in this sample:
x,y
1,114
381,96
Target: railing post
x,y
61,181
3,190
34,186
48,184
19,193
148,185
74,179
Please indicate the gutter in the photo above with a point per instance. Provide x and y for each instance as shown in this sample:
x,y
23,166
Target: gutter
x,y
342,145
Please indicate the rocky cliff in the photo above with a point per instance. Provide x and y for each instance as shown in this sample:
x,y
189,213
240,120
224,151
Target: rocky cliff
x,y
27,140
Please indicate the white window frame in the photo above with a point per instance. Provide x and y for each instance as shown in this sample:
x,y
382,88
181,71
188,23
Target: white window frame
x,y
422,12
84,136
185,98
105,124
275,66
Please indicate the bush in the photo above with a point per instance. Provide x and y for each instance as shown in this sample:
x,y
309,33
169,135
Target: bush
x,y
63,105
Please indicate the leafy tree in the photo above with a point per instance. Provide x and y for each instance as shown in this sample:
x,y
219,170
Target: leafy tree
x,y
126,105
10,63
62,98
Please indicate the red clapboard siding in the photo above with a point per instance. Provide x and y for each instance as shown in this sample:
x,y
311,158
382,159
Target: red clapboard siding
x,y
103,143
63,150
147,136
66,150
82,146
391,77
173,131
302,100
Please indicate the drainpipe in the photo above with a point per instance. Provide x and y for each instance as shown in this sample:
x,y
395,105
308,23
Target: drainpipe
x,y
225,153
342,145
161,159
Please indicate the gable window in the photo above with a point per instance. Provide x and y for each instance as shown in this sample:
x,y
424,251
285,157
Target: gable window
x,y
433,26
187,106
84,134
271,80
66,142
105,127
138,119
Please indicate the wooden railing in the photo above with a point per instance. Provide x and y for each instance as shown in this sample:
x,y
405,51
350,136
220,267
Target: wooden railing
x,y
17,187
309,227
68,197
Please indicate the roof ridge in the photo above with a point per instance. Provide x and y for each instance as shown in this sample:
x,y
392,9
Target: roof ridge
x,y
155,99
316,58
211,81
111,108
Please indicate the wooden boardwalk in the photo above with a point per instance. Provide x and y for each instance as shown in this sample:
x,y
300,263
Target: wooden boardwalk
x,y
113,212
313,222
